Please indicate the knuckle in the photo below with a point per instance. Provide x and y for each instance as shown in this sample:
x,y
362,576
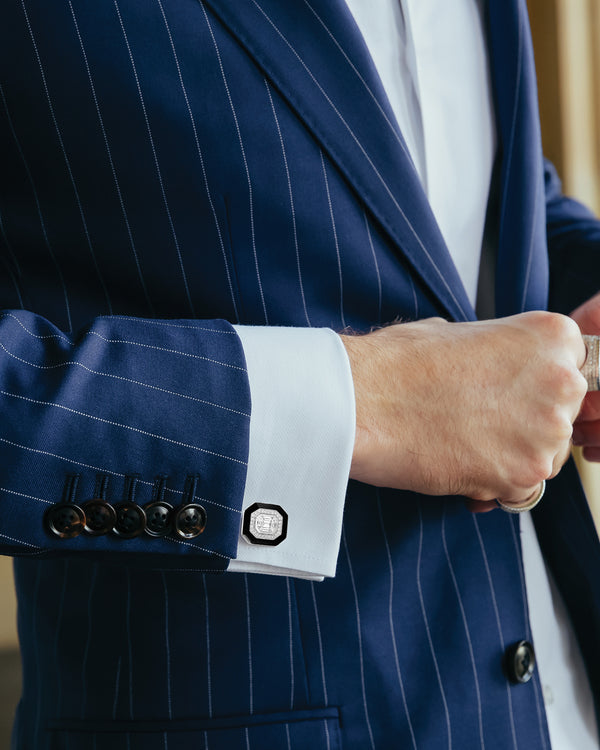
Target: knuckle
x,y
539,468
558,425
568,383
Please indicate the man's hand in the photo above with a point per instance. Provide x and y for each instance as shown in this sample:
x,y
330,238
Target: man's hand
x,y
483,410
586,431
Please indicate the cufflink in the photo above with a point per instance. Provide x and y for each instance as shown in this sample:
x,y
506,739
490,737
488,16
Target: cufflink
x,y
265,524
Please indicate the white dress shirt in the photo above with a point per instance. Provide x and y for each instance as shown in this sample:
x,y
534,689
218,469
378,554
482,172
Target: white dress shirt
x,y
432,60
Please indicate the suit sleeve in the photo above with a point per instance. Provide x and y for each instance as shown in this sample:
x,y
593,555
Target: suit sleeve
x,y
574,247
130,409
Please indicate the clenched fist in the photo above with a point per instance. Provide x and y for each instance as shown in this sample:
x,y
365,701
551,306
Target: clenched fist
x,y
484,410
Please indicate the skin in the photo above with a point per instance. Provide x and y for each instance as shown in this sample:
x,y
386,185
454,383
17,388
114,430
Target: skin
x,y
486,410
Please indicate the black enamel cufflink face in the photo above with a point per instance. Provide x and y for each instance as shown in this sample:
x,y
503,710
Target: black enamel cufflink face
x,y
265,524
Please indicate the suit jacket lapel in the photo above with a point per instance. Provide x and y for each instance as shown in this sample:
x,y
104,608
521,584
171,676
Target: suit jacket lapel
x,y
522,268
312,51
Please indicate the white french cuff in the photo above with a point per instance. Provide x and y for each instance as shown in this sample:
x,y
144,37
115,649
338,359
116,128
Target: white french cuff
x,y
301,441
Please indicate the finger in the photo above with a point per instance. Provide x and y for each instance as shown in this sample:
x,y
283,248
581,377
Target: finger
x,y
520,497
590,409
560,460
587,434
591,454
480,506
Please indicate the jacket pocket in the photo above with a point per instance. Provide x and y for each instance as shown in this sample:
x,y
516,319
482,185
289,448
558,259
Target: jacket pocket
x,y
314,729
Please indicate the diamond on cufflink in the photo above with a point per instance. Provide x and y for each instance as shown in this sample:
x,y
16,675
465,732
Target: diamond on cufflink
x,y
265,524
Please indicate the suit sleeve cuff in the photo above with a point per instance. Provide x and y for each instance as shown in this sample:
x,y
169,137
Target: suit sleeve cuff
x,y
301,440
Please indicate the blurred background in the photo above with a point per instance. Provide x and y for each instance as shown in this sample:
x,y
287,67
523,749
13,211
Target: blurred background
x,y
566,36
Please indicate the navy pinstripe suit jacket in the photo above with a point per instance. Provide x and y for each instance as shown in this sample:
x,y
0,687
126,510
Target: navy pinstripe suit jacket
x,y
169,167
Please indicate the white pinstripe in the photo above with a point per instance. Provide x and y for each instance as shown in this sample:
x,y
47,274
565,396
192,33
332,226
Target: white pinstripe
x,y
376,266
123,426
359,636
250,675
168,324
415,298
34,608
391,621
66,158
466,627
292,207
513,122
57,630
98,468
166,350
519,555
247,738
208,672
28,497
335,239
427,629
384,184
320,641
530,253
165,741
117,681
59,336
19,541
287,734
393,126
327,738
112,164
498,623
129,644
9,247
156,164
205,741
202,166
167,645
167,391
39,210
9,270
243,152
88,640
291,631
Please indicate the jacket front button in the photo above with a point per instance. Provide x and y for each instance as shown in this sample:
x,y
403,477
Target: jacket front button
x,y
519,662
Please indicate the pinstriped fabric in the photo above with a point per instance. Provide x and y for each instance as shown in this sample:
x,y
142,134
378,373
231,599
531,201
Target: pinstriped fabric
x,y
156,163
523,589
335,240
434,266
376,269
236,166
249,637
90,627
428,631
466,627
67,160
247,171
201,159
112,165
39,212
359,642
498,623
293,212
392,624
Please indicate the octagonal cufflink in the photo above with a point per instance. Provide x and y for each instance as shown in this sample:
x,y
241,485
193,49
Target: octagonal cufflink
x,y
265,524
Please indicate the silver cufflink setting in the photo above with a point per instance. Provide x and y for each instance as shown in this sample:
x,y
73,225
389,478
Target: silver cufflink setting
x,y
265,524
